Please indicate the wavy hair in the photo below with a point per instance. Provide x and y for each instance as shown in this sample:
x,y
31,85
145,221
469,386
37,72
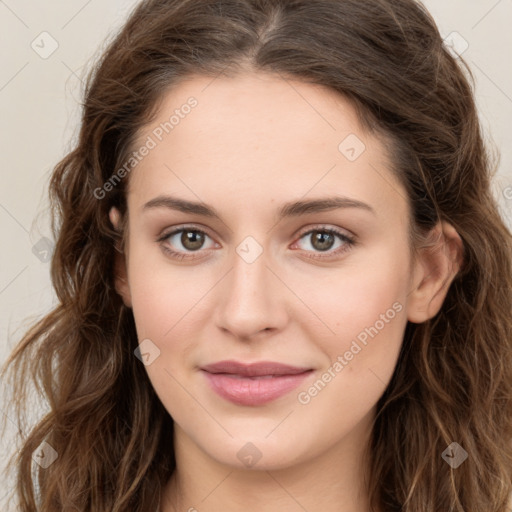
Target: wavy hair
x,y
453,378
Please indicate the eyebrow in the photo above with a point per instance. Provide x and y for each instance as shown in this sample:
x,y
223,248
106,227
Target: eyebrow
x,y
292,209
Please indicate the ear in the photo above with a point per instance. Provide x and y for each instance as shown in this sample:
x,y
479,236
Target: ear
x,y
434,270
120,266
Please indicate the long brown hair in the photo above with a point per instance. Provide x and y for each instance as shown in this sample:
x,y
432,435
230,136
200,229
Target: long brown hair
x,y
453,379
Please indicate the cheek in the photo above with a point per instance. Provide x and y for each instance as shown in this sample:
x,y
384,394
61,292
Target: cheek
x,y
365,307
164,296
155,307
368,292
165,308
369,322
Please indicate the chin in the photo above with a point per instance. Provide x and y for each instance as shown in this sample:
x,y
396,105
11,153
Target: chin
x,y
257,452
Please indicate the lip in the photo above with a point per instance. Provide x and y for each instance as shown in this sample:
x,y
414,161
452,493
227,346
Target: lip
x,y
253,384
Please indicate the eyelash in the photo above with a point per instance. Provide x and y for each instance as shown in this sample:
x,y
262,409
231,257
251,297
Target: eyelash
x,y
348,240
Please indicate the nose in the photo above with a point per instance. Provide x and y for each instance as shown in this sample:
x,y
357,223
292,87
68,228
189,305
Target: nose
x,y
251,299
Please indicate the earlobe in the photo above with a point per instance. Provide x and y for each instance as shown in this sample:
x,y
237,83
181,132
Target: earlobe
x,y
434,270
120,265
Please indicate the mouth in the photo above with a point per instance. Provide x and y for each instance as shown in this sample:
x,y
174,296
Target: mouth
x,y
253,384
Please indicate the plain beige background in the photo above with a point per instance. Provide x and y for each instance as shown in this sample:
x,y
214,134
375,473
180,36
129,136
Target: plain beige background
x,y
47,48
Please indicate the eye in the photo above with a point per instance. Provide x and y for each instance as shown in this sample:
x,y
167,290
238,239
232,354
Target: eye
x,y
191,240
323,239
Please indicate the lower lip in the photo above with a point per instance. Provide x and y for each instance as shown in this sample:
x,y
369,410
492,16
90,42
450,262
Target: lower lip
x,y
253,391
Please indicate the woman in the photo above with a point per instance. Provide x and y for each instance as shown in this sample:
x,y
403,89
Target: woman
x,y
284,283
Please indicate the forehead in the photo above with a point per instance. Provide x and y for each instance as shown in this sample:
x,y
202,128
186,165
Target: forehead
x,y
247,135
262,102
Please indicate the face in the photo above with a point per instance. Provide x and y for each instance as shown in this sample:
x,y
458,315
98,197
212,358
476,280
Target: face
x,y
318,294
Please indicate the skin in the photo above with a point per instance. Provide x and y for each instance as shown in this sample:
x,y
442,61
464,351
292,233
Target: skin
x,y
253,143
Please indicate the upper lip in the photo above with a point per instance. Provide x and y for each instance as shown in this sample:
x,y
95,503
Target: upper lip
x,y
253,369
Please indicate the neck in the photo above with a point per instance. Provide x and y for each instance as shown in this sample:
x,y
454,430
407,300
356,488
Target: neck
x,y
332,481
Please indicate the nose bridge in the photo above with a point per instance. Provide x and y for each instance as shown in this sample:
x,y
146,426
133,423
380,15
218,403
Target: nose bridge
x,y
249,268
250,300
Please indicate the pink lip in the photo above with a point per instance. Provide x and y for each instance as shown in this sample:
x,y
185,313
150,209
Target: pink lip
x,y
253,384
